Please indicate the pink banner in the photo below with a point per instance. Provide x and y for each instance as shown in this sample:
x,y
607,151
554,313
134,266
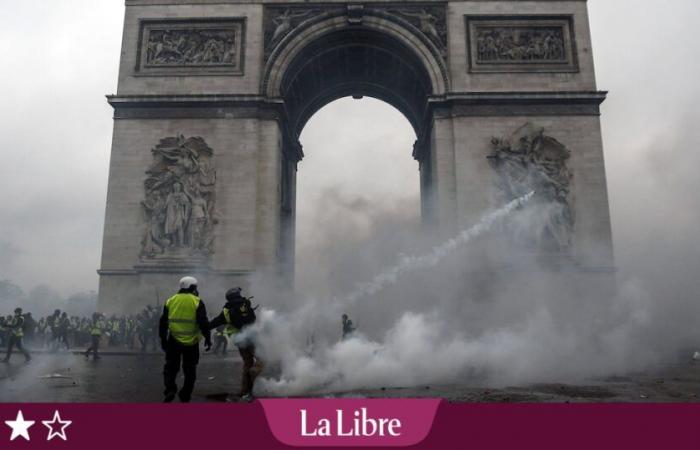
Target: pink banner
x,y
350,422
277,423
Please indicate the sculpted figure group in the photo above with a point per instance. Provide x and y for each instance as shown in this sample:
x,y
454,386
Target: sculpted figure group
x,y
179,203
191,47
531,161
520,44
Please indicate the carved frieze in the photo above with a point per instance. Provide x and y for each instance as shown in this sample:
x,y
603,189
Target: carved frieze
x,y
176,46
528,161
521,44
179,205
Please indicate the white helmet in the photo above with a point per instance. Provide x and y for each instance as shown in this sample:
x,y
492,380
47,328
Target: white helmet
x,y
187,282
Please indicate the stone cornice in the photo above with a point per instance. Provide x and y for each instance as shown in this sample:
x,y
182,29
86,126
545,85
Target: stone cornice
x,y
120,101
194,106
517,103
592,97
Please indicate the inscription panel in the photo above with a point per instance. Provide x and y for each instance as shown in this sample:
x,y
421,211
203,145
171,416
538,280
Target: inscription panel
x,y
521,44
192,47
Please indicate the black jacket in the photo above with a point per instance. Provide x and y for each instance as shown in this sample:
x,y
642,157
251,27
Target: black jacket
x,y
240,311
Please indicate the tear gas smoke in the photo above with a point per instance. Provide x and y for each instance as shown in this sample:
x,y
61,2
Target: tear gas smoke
x,y
418,348
411,263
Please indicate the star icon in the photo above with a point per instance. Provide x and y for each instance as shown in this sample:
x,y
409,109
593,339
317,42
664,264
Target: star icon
x,y
20,427
55,424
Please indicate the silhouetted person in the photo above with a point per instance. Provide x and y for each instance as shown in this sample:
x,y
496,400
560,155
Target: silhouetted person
x,y
16,330
348,327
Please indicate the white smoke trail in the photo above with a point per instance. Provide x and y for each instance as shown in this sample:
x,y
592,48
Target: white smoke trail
x,y
411,263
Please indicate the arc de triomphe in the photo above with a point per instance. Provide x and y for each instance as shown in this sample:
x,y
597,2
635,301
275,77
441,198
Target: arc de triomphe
x,y
213,95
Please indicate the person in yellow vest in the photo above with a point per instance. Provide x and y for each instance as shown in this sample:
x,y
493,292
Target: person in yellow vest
x,y
16,329
96,327
236,316
182,324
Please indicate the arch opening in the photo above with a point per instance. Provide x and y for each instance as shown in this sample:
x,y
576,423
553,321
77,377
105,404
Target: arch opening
x,y
357,188
355,62
349,61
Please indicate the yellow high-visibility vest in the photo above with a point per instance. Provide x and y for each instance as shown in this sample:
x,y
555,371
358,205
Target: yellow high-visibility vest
x,y
96,329
230,329
17,326
182,318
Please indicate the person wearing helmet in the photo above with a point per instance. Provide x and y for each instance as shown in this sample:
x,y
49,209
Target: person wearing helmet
x,y
235,316
183,322
16,328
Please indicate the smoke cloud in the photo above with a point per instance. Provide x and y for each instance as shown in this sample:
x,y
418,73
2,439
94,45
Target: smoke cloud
x,y
434,325
449,317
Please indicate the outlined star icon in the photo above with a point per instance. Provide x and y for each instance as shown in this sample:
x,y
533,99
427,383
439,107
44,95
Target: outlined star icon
x,y
20,427
55,424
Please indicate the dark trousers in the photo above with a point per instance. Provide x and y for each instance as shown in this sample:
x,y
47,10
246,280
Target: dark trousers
x,y
251,368
16,341
188,356
94,346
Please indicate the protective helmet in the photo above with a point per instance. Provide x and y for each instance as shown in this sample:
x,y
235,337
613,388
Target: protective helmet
x,y
187,282
18,310
233,293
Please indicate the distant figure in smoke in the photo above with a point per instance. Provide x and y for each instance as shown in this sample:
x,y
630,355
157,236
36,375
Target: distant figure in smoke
x,y
62,331
236,315
96,328
348,327
221,339
16,330
53,324
183,322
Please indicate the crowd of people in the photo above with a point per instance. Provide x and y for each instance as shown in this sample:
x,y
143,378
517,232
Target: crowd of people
x,y
179,328
60,331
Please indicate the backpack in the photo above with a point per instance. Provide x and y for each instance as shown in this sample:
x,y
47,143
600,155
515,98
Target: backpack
x,y
241,313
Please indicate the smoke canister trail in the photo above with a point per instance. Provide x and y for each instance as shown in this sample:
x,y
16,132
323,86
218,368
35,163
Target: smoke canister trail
x,y
405,264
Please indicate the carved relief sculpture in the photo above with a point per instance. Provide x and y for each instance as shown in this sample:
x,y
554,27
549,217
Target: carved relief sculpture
x,y
531,161
521,44
191,46
180,199
430,20
280,21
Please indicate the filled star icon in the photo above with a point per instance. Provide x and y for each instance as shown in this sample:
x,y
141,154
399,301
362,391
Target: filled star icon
x,y
57,427
20,427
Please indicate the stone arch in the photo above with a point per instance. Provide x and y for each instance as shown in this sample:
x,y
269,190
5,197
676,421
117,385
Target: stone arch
x,y
312,66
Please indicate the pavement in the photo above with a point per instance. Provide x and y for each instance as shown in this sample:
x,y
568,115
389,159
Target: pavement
x,y
121,376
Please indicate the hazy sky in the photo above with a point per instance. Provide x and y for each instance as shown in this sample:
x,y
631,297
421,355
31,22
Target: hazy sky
x,y
61,58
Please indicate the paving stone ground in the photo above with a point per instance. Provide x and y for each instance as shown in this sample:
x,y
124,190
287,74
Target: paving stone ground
x,y
68,377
